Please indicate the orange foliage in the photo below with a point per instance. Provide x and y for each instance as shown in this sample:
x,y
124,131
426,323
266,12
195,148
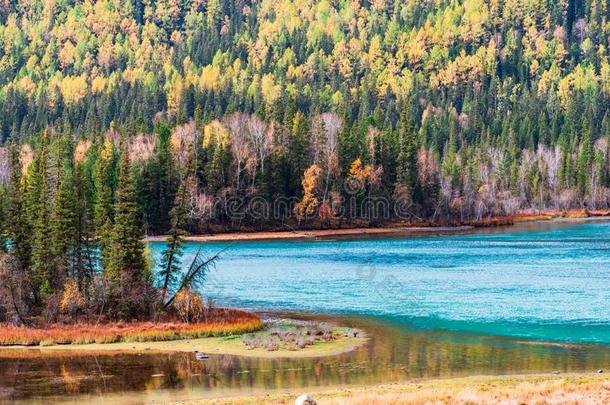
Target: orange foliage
x,y
220,322
309,203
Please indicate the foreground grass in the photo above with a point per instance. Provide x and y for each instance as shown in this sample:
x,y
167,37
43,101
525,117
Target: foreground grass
x,y
522,389
221,322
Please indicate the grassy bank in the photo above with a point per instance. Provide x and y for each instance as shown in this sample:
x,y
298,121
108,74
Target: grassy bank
x,y
221,322
230,345
522,389
248,338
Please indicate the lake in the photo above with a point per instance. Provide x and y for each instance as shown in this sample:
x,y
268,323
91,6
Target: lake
x,y
524,299
548,280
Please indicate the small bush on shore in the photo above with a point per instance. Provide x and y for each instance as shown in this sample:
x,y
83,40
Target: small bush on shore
x,y
220,322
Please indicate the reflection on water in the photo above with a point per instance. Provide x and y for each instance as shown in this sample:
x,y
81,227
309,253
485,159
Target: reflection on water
x,y
393,353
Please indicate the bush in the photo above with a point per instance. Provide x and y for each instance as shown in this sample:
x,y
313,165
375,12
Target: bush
x,y
72,301
189,305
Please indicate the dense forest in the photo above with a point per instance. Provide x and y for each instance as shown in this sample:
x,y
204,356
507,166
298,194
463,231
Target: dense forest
x,y
126,118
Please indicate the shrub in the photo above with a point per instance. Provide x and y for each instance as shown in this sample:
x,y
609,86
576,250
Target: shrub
x,y
72,301
189,305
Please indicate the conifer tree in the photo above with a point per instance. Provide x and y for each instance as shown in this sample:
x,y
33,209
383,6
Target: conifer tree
x,y
298,151
126,266
103,209
64,223
170,264
406,171
44,275
18,228
85,257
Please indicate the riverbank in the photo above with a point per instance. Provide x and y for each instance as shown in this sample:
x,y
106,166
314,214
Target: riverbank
x,y
540,388
283,338
222,345
403,228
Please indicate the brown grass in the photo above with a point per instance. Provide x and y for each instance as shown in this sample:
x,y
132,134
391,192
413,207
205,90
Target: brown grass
x,y
537,389
221,322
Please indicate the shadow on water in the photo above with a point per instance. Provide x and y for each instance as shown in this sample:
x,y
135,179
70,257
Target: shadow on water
x,y
393,353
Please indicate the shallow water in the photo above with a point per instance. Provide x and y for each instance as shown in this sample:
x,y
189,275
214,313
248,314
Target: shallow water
x,y
500,302
394,353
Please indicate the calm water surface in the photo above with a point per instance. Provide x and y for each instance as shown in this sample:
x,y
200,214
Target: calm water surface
x,y
532,298
548,281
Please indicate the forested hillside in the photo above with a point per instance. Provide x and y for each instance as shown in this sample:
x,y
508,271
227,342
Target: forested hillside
x,y
453,109
125,118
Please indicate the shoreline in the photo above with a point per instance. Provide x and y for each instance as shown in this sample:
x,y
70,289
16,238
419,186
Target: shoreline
x,y
217,346
390,229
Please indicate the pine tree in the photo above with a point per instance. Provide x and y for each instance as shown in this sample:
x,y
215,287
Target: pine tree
x,y
85,254
44,276
583,168
298,146
18,227
407,153
126,266
64,223
157,185
102,209
170,264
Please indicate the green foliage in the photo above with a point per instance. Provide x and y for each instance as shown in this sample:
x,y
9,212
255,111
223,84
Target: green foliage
x,y
466,109
407,153
126,260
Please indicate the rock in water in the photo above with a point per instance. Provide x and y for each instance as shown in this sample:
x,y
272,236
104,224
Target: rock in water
x,y
304,400
201,356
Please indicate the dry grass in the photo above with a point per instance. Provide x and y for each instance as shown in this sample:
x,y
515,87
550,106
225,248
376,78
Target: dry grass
x,y
221,322
538,389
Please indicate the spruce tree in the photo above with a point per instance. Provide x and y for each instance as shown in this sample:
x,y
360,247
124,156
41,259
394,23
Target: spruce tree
x,y
406,171
44,277
18,227
170,264
102,209
298,150
64,222
126,266
85,257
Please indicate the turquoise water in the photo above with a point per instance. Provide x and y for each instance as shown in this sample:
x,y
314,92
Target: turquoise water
x,y
548,281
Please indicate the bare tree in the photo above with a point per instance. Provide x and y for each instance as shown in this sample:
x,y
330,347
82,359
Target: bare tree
x,y
13,289
237,124
325,143
260,138
185,141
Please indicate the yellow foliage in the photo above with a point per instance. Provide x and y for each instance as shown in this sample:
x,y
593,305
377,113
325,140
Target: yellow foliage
x,y
27,85
605,77
306,207
71,300
209,78
270,91
215,133
67,55
73,88
98,84
189,305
